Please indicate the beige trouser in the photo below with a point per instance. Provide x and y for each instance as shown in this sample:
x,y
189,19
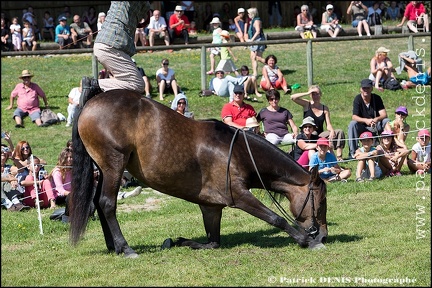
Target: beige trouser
x,y
125,72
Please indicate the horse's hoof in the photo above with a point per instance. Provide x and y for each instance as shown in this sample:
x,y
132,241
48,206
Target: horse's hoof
x,y
131,255
167,244
318,246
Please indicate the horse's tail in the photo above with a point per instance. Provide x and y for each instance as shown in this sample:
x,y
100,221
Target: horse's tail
x,y
82,184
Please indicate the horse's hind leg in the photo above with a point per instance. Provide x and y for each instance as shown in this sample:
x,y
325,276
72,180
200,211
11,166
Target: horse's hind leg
x,y
212,219
107,214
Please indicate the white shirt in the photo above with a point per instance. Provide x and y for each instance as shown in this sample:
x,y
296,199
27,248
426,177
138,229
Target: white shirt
x,y
74,94
423,153
157,25
167,77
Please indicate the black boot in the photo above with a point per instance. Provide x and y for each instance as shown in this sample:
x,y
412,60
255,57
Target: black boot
x,y
90,88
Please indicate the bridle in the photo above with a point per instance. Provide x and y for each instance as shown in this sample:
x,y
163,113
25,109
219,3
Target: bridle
x,y
313,230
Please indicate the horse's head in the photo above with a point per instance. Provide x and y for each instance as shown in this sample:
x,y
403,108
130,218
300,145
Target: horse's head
x,y
310,214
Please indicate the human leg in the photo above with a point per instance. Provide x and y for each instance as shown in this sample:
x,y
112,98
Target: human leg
x,y
273,138
174,87
162,85
411,24
366,27
354,130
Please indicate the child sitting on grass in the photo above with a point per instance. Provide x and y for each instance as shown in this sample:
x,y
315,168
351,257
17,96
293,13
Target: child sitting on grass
x,y
420,158
367,166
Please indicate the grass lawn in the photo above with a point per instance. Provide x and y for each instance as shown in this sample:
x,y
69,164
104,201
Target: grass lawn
x,y
379,232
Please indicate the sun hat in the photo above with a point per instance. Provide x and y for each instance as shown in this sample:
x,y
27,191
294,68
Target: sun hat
x,y
240,10
366,135
215,20
178,8
219,70
387,133
423,132
382,50
238,89
225,34
308,120
251,122
402,109
25,73
329,6
366,83
323,141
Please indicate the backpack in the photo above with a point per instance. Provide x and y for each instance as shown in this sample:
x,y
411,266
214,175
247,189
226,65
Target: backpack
x,y
48,117
374,19
391,84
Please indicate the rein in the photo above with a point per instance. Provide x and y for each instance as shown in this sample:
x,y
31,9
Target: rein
x,y
312,230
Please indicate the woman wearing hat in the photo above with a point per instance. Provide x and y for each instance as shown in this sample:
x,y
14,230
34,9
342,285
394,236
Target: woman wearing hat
x,y
381,68
330,22
306,142
239,22
399,127
28,94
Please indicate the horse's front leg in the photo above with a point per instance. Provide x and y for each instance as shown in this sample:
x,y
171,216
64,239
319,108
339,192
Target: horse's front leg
x,y
248,203
212,220
107,213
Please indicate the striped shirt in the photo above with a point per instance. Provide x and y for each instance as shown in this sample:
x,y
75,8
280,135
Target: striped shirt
x,y
118,30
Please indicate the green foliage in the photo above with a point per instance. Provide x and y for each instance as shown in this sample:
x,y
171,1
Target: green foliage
x,y
374,228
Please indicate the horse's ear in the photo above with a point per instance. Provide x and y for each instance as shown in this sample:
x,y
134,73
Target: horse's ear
x,y
315,178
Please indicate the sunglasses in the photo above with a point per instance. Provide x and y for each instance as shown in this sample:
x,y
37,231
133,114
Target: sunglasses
x,y
26,77
181,103
25,148
402,114
165,64
179,10
308,126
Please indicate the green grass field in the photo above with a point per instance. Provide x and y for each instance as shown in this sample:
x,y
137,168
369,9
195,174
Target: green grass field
x,y
379,232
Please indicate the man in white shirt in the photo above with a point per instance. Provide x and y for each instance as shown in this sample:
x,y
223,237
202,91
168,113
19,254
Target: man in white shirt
x,y
157,26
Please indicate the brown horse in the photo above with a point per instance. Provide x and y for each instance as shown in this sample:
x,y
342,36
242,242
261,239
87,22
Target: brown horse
x,y
205,162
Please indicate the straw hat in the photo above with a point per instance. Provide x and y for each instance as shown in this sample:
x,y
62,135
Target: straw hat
x,y
382,50
25,73
251,122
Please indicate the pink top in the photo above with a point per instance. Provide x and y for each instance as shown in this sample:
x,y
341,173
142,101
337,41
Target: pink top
x,y
412,12
28,100
60,185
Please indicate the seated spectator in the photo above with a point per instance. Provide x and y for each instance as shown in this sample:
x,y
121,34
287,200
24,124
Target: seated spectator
x,y
147,84
306,142
89,16
393,11
374,14
305,23
420,159
63,34
272,77
9,184
413,65
166,80
276,120
180,104
217,39
330,22
157,27
101,19
21,155
251,86
15,30
399,127
29,38
48,24
179,25
381,68
224,86
61,176
6,39
393,155
359,17
81,30
141,34
28,94
321,114
226,64
236,112
328,168
415,13
73,100
45,190
367,156
369,114
193,29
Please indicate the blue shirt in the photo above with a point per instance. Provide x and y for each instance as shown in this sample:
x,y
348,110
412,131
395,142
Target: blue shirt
x,y
61,30
329,161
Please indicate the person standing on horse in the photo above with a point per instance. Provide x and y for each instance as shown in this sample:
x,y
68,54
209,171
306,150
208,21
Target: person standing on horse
x,y
114,47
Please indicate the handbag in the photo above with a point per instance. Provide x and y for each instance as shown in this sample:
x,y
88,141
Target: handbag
x,y
48,117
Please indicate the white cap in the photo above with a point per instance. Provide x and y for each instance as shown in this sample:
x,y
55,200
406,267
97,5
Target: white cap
x,y
179,8
239,10
329,6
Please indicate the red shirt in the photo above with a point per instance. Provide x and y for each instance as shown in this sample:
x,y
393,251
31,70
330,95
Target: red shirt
x,y
174,20
238,114
413,12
